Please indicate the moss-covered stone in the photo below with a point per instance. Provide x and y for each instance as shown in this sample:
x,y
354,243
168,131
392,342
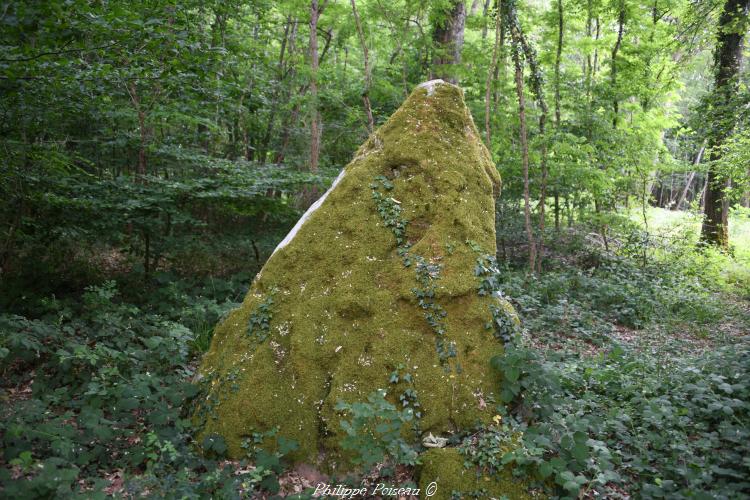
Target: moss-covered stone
x,y
445,468
344,314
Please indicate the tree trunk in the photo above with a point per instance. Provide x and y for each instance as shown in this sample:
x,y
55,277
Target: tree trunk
x,y
143,133
485,10
142,148
315,114
536,79
524,156
448,36
715,228
146,254
368,70
727,60
670,198
589,64
613,74
501,60
289,34
490,79
558,56
291,117
689,181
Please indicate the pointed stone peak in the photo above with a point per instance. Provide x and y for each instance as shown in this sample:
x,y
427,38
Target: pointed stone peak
x,y
430,85
377,278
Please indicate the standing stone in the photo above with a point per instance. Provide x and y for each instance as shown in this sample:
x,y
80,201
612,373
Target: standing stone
x,y
378,275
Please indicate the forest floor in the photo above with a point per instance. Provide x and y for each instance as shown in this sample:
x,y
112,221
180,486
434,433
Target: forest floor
x,y
639,374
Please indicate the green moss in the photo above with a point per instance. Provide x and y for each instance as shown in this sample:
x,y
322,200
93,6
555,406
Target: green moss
x,y
445,468
344,314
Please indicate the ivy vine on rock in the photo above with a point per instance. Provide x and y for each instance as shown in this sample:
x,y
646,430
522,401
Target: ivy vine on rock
x,y
427,273
259,324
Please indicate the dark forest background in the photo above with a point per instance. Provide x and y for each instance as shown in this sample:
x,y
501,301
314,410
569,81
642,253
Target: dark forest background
x,y
155,152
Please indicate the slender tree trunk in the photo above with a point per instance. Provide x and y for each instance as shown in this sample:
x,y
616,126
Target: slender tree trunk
x,y
596,49
689,181
143,132
587,64
314,112
242,125
591,63
289,32
501,59
448,36
286,135
485,10
558,57
671,190
143,137
293,116
644,214
147,254
661,194
524,155
727,61
368,70
490,78
536,79
683,195
543,191
613,74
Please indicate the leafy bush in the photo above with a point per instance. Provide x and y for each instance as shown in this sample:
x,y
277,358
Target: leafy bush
x,y
618,420
374,432
101,386
584,301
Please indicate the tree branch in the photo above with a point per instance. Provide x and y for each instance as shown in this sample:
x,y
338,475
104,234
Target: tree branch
x,y
57,53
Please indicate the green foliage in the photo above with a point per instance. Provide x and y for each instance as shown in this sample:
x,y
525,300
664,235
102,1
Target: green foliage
x,y
427,273
480,493
374,432
486,269
734,163
616,419
653,418
434,313
164,146
389,210
601,288
108,390
268,465
408,398
259,324
157,224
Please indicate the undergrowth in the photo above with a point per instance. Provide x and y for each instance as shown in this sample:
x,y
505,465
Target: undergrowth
x,y
97,399
629,379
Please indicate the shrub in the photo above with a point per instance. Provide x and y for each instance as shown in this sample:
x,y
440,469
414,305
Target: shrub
x,y
374,432
616,420
101,386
